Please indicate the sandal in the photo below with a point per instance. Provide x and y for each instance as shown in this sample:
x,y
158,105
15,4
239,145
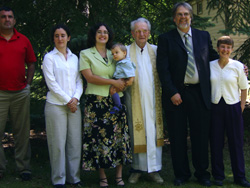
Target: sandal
x,y
118,181
104,181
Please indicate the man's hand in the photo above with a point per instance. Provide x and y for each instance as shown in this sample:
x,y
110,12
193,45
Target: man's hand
x,y
176,99
246,70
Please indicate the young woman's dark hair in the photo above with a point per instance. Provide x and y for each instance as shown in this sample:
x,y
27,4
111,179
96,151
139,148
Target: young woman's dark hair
x,y
92,34
59,26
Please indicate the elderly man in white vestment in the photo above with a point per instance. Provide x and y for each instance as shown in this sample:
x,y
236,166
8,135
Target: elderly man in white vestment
x,y
143,100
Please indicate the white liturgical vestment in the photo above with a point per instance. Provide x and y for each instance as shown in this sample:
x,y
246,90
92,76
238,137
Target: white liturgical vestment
x,y
150,161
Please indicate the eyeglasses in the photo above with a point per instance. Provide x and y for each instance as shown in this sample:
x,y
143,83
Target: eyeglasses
x,y
141,31
99,32
181,14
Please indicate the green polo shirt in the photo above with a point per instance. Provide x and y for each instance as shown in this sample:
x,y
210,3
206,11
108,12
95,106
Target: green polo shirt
x,y
91,59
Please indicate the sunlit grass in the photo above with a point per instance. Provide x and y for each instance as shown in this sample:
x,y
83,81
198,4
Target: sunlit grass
x,y
41,171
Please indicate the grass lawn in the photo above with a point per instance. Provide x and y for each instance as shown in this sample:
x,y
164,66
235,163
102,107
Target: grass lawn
x,y
41,171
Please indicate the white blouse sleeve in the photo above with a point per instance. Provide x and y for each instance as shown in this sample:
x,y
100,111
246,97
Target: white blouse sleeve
x,y
48,71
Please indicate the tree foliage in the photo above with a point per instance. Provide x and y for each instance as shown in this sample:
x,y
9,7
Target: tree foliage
x,y
35,19
236,17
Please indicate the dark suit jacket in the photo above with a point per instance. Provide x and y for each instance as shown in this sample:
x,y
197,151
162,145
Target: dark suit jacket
x,y
172,62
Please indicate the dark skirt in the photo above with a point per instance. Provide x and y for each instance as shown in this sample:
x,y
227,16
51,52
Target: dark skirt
x,y
106,141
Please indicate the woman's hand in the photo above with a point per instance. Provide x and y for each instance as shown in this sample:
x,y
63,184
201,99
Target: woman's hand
x,y
130,81
242,107
243,98
72,104
73,109
120,84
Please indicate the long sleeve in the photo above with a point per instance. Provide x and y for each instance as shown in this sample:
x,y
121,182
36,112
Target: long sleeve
x,y
79,87
54,87
62,77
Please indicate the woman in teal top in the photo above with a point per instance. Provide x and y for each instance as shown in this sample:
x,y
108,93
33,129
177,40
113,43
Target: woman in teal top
x,y
106,142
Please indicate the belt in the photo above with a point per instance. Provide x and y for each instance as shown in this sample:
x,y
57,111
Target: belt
x,y
191,85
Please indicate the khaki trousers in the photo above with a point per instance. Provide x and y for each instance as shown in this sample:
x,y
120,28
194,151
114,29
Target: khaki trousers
x,y
63,130
17,105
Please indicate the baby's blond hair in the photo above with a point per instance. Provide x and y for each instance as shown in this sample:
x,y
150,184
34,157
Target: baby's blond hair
x,y
121,46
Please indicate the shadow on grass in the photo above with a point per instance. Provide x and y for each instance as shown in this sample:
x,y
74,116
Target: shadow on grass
x,y
41,165
41,169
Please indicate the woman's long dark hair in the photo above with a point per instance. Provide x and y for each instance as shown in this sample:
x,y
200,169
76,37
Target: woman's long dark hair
x,y
92,35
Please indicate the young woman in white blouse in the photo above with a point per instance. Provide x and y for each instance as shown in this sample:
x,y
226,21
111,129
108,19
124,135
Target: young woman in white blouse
x,y
62,111
227,79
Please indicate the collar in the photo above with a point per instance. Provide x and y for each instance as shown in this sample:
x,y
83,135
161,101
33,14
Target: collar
x,y
15,35
139,48
56,51
93,50
125,60
182,33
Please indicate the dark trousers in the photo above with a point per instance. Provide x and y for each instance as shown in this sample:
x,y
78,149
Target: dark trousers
x,y
193,113
227,118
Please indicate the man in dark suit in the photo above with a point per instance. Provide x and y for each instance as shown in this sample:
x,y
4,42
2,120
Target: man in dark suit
x,y
186,96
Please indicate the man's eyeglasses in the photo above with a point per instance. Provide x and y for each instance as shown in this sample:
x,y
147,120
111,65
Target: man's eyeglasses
x,y
181,14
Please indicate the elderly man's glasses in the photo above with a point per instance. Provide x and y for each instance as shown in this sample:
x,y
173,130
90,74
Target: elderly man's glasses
x,y
141,31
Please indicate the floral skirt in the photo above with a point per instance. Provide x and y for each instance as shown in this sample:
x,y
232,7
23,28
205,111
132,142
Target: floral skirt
x,y
106,141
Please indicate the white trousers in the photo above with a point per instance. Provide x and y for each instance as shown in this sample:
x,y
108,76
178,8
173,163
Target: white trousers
x,y
63,130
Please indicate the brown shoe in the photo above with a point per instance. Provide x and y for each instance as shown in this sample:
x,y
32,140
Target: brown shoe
x,y
156,177
134,177
25,176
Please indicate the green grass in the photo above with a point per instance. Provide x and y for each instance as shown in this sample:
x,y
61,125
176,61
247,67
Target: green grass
x,y
41,171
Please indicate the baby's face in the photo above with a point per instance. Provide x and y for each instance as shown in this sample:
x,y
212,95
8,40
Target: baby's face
x,y
118,54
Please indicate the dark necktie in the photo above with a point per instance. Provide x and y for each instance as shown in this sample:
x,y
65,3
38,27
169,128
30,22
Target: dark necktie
x,y
190,65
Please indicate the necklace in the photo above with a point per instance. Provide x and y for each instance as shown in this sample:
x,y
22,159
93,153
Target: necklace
x,y
105,59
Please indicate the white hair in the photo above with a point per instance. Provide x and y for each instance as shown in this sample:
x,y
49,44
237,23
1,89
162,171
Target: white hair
x,y
132,24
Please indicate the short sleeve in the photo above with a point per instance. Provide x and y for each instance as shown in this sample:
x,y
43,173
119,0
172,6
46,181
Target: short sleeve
x,y
243,82
30,55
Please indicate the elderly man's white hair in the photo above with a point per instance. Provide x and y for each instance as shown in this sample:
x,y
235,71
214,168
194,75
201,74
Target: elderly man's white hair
x,y
132,24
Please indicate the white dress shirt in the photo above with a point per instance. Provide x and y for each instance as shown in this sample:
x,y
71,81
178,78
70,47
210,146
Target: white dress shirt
x,y
228,81
62,77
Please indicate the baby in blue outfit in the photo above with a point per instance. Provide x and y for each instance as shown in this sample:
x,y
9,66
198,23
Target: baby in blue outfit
x,y
125,70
